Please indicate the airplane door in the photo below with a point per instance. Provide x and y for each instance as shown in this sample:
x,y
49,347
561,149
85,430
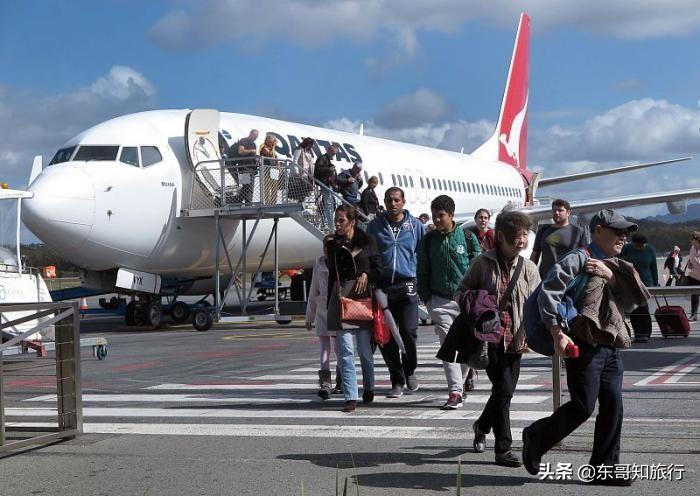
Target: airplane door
x,y
202,145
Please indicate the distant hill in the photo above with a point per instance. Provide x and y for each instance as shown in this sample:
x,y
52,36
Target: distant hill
x,y
663,235
693,214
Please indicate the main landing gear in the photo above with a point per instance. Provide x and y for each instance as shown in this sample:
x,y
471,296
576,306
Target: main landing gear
x,y
144,311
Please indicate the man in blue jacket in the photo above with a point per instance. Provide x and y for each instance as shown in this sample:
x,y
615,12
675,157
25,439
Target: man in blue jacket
x,y
397,234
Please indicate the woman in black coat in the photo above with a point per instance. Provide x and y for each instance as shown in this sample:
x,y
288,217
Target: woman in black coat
x,y
354,265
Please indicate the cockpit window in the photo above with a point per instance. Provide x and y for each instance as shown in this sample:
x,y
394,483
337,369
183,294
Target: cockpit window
x,y
96,152
130,155
62,155
150,155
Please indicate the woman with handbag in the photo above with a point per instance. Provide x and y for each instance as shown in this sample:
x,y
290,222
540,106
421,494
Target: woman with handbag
x,y
692,278
354,266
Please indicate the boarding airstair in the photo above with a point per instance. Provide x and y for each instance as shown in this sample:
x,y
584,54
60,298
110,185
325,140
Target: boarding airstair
x,y
251,190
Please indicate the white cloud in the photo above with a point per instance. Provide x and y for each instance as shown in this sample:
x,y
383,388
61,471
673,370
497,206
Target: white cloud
x,y
193,25
37,124
421,107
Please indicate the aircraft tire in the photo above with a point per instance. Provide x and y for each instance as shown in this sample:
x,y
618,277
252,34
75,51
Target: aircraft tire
x,y
152,314
202,319
180,312
130,314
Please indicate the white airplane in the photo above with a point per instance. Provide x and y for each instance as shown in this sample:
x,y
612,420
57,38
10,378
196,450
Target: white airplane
x,y
114,198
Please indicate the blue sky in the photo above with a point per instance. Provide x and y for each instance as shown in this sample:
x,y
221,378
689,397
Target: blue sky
x,y
611,82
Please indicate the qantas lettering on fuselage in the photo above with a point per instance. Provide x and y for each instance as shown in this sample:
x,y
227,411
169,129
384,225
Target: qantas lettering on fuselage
x,y
287,145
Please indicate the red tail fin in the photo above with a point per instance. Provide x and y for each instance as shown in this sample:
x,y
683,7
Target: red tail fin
x,y
509,142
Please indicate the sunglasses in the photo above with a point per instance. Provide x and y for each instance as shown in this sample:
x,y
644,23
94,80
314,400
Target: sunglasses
x,y
618,232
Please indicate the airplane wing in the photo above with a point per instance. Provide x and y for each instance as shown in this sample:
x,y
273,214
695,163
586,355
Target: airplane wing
x,y
552,181
584,206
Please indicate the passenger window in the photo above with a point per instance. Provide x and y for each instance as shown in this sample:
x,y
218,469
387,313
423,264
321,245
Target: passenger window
x,y
410,180
421,182
381,179
393,180
130,155
434,184
366,178
150,155
398,176
405,181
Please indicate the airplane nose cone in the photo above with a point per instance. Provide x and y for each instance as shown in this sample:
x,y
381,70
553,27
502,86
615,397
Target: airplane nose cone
x,y
62,211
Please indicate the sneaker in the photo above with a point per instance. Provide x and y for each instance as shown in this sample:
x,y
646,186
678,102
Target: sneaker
x,y
367,396
338,389
479,443
641,339
412,383
324,393
454,401
508,459
350,406
694,316
396,391
530,459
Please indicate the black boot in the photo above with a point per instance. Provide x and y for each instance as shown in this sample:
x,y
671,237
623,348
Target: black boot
x,y
324,383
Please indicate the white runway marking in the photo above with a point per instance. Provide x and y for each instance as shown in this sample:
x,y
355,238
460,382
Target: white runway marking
x,y
310,386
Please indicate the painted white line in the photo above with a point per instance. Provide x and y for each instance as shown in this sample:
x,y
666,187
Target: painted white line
x,y
437,376
675,378
270,430
665,371
187,398
365,413
170,398
310,386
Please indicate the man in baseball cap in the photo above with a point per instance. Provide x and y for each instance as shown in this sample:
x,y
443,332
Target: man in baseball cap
x,y
595,376
612,220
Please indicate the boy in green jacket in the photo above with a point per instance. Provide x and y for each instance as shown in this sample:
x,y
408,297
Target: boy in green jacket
x,y
443,259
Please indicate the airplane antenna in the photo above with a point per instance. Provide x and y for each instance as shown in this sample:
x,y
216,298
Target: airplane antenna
x,y
362,128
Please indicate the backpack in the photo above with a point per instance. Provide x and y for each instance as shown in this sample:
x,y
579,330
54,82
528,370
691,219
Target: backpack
x,y
538,337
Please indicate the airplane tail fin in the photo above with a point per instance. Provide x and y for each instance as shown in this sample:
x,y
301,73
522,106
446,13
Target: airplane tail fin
x,y
509,141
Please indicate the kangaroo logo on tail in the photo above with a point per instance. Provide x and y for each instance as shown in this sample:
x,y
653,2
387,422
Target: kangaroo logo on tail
x,y
511,142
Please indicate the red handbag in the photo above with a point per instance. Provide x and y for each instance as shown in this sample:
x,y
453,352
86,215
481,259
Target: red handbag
x,y
354,310
381,334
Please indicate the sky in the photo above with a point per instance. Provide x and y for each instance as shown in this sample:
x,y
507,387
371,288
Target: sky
x,y
611,82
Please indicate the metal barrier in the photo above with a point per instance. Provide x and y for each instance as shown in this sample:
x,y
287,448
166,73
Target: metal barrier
x,y
28,370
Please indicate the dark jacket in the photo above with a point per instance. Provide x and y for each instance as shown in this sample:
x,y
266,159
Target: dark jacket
x,y
349,190
352,258
323,171
670,265
369,203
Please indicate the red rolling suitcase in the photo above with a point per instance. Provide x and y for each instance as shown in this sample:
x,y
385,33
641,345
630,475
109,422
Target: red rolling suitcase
x,y
672,319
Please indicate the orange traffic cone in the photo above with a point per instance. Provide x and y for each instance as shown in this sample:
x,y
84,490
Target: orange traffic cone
x,y
83,306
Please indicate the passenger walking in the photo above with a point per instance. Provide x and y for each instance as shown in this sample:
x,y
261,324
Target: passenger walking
x,y
512,278
350,182
354,266
243,152
693,278
557,239
643,257
443,259
325,173
597,373
300,184
316,317
483,232
673,263
397,234
369,203
271,169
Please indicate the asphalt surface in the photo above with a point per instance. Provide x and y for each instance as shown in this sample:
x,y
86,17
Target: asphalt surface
x,y
234,411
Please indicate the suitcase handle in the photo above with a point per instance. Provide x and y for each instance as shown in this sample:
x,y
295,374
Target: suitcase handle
x,y
657,300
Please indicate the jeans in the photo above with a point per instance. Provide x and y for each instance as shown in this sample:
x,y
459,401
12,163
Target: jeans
x,y
443,312
595,374
404,309
346,358
327,208
503,371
